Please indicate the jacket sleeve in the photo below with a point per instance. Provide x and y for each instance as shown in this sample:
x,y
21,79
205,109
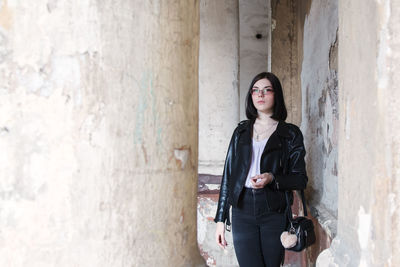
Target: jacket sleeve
x,y
223,203
296,176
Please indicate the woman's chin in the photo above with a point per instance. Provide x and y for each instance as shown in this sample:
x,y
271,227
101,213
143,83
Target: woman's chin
x,y
264,110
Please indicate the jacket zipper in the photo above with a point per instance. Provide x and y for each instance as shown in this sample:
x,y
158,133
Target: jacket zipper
x,y
254,201
265,191
248,168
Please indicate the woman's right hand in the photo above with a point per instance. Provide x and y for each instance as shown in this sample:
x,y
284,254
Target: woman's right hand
x,y
220,235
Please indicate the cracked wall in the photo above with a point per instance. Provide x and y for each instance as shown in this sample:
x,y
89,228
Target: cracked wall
x,y
368,169
319,82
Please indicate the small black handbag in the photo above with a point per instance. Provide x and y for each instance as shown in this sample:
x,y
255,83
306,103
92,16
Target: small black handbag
x,y
300,230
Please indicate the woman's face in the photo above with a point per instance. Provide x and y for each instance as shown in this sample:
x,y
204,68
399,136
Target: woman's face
x,y
263,96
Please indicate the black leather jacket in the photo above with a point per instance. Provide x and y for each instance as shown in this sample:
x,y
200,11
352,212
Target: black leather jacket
x,y
283,156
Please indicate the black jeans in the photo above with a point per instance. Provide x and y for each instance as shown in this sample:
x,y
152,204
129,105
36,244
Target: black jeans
x,y
256,231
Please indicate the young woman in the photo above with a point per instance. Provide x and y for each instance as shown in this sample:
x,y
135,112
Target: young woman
x,y
265,158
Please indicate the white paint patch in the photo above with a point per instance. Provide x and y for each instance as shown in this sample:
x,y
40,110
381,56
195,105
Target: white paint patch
x,y
364,228
392,203
325,259
384,50
201,226
209,261
213,186
347,120
182,155
29,79
67,74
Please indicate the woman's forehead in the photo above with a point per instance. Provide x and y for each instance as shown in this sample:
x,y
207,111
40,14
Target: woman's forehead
x,y
262,83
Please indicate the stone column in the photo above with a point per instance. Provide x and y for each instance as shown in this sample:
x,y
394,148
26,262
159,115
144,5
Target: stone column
x,y
255,43
285,54
218,117
98,133
218,81
369,136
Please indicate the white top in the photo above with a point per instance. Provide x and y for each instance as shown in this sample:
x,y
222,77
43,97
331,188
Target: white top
x,y
258,148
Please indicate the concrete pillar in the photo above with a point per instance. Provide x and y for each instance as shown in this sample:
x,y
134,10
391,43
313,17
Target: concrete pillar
x,y
218,117
255,43
369,136
285,60
218,81
98,133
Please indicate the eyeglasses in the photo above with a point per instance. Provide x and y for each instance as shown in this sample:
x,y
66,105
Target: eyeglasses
x,y
265,91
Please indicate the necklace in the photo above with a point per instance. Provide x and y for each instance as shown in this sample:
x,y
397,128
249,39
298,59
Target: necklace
x,y
260,134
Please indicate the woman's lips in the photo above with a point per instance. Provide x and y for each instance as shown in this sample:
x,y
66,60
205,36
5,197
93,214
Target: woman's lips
x,y
260,102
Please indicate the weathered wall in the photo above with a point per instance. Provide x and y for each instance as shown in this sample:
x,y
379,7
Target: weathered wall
x,y
285,54
304,56
219,115
369,136
320,109
254,40
98,133
218,81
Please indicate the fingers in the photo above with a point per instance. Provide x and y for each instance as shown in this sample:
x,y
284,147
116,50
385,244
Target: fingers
x,y
221,241
254,183
258,181
220,235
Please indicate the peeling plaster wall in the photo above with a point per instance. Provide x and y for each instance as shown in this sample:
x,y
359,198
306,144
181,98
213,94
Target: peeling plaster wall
x,y
319,76
98,133
209,249
369,136
390,80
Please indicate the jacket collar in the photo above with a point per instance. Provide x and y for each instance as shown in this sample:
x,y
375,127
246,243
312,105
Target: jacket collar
x,y
282,129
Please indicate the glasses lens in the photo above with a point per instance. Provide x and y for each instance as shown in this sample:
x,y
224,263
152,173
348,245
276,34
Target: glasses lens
x,y
264,91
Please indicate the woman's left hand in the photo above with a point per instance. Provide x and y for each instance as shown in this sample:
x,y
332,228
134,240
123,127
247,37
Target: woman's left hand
x,y
261,180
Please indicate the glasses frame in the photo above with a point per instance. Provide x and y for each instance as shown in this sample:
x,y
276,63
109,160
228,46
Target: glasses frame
x,y
264,91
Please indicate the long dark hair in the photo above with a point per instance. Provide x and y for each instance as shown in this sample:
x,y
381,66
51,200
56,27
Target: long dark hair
x,y
280,112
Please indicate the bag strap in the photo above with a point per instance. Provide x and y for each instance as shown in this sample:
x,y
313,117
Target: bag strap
x,y
289,208
303,199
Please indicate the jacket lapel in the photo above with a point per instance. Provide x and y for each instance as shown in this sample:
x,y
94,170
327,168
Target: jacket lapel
x,y
274,140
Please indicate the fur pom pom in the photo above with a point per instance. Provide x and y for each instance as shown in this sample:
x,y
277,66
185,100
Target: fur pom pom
x,y
288,240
